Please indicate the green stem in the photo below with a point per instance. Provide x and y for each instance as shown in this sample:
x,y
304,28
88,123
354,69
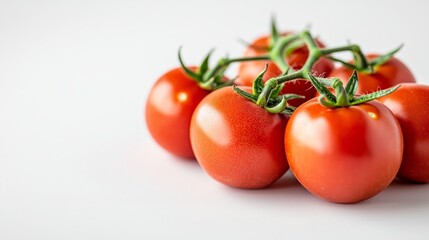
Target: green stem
x,y
247,59
313,55
272,83
361,61
327,51
277,53
227,61
309,40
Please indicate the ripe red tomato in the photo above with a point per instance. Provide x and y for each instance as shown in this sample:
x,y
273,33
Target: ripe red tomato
x,y
409,105
389,74
169,108
344,155
248,71
236,142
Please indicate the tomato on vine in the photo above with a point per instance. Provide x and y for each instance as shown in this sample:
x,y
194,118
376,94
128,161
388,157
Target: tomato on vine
x,y
237,142
296,57
409,105
343,148
385,71
169,109
172,101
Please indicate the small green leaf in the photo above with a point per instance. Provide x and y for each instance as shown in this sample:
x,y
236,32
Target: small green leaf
x,y
342,98
346,64
322,99
205,64
274,32
258,84
219,74
341,94
225,84
244,94
371,96
279,107
188,71
327,82
386,57
207,85
288,111
265,95
277,90
323,91
352,85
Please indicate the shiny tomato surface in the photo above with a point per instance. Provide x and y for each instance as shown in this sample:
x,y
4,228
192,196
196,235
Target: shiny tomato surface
x,y
344,155
169,108
238,143
410,106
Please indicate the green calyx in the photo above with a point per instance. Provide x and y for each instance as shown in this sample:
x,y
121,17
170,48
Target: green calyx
x,y
268,95
276,103
214,78
344,97
282,46
384,58
209,79
361,64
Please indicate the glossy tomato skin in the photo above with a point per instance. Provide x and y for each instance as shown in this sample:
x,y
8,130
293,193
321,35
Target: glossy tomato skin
x,y
238,143
409,105
169,108
389,74
344,155
248,71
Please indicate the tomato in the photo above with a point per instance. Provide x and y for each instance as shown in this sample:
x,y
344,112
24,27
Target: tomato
x,y
236,142
409,105
169,108
389,74
248,71
344,155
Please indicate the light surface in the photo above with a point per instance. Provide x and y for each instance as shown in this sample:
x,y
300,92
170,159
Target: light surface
x,y
76,160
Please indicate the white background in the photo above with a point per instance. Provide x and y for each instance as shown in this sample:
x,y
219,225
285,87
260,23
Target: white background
x,y
76,161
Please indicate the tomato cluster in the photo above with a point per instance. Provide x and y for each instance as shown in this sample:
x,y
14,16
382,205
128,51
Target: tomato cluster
x,y
340,143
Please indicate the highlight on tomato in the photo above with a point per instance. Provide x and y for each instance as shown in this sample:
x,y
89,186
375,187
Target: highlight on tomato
x,y
344,148
237,142
410,106
169,109
172,101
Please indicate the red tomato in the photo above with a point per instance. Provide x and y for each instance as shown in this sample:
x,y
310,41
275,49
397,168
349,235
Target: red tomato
x,y
344,155
169,110
236,142
409,105
248,71
389,74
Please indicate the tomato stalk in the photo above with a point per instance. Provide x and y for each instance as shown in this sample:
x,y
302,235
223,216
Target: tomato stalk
x,y
225,62
276,103
278,50
345,97
212,79
315,53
